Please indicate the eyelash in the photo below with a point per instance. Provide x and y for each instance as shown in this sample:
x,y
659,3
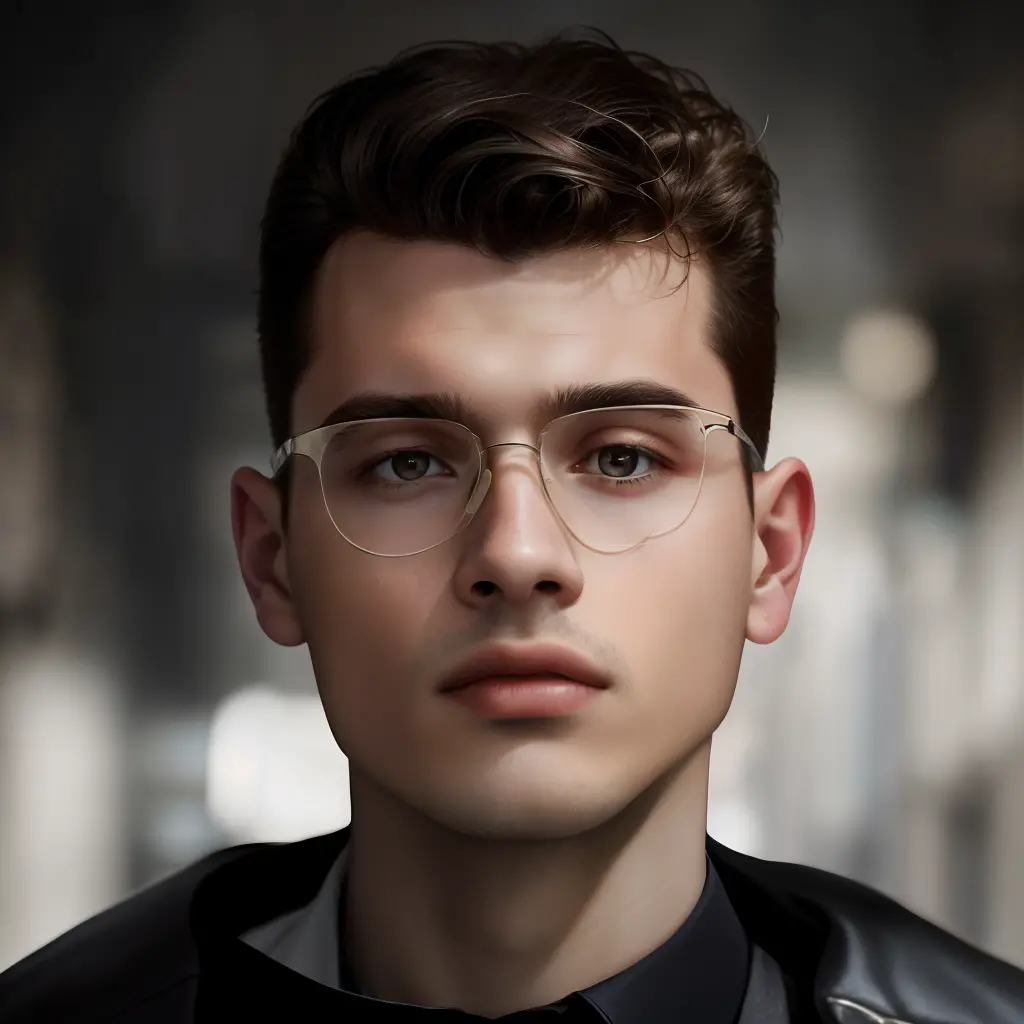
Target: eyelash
x,y
630,481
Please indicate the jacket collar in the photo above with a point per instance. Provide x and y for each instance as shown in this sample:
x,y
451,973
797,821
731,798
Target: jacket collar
x,y
855,956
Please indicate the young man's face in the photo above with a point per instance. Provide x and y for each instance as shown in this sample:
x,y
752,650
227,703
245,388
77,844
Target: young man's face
x,y
666,621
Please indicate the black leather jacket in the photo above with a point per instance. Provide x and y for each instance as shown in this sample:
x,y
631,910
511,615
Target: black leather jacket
x,y
855,956
849,954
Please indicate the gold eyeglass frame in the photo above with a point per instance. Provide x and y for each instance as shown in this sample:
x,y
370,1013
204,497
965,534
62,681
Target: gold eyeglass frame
x,y
313,443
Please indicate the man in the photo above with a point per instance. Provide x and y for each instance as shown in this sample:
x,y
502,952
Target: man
x,y
517,325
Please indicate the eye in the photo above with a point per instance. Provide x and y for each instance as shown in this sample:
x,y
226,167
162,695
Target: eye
x,y
619,461
405,466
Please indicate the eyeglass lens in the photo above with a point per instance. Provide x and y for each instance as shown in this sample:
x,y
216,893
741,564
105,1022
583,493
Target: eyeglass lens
x,y
615,477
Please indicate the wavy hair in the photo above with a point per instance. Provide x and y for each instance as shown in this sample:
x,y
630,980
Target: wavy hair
x,y
517,151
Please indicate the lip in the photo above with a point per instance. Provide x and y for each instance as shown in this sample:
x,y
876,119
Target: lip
x,y
519,661
522,697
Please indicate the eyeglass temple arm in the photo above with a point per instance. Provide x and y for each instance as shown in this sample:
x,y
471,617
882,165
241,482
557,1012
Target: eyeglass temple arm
x,y
757,463
281,456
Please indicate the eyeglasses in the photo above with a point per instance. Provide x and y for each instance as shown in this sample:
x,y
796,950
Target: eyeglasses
x,y
614,477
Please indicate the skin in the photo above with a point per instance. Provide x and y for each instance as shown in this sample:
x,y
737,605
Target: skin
x,y
496,867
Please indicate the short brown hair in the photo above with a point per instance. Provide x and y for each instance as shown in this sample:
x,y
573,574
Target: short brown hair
x,y
517,151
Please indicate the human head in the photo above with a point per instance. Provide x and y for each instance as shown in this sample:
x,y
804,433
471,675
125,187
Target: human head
x,y
521,190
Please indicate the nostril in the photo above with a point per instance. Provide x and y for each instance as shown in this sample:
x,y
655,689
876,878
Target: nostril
x,y
484,588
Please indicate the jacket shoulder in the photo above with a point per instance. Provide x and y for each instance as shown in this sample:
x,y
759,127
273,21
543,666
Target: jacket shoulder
x,y
134,954
878,956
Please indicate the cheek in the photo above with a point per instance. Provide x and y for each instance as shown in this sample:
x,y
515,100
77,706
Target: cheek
x,y
359,617
363,634
364,620
681,628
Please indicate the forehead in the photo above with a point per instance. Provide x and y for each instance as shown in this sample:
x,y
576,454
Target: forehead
x,y
410,317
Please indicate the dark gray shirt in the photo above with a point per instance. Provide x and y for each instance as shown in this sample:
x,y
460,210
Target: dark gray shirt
x,y
706,972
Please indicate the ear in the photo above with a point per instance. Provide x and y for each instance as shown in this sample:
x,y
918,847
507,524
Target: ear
x,y
256,524
783,524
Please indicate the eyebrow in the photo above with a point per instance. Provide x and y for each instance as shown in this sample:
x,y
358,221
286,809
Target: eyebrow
x,y
447,405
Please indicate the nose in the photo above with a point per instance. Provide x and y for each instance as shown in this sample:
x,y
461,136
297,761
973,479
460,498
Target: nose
x,y
516,548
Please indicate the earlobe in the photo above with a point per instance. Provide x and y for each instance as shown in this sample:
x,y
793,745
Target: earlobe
x,y
262,555
784,523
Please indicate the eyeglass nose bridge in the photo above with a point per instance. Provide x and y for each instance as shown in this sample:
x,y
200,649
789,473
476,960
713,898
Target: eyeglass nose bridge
x,y
476,499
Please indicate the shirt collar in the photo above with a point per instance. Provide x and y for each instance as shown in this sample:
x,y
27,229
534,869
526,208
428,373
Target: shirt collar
x,y
306,939
698,973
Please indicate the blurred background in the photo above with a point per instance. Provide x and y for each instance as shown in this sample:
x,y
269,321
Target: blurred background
x,y
144,718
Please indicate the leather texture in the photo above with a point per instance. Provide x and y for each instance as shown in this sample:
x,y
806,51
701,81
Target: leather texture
x,y
879,963
849,955
765,1001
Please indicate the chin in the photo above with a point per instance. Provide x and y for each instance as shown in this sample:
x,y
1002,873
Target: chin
x,y
524,812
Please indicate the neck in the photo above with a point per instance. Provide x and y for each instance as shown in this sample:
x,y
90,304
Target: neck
x,y
492,926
